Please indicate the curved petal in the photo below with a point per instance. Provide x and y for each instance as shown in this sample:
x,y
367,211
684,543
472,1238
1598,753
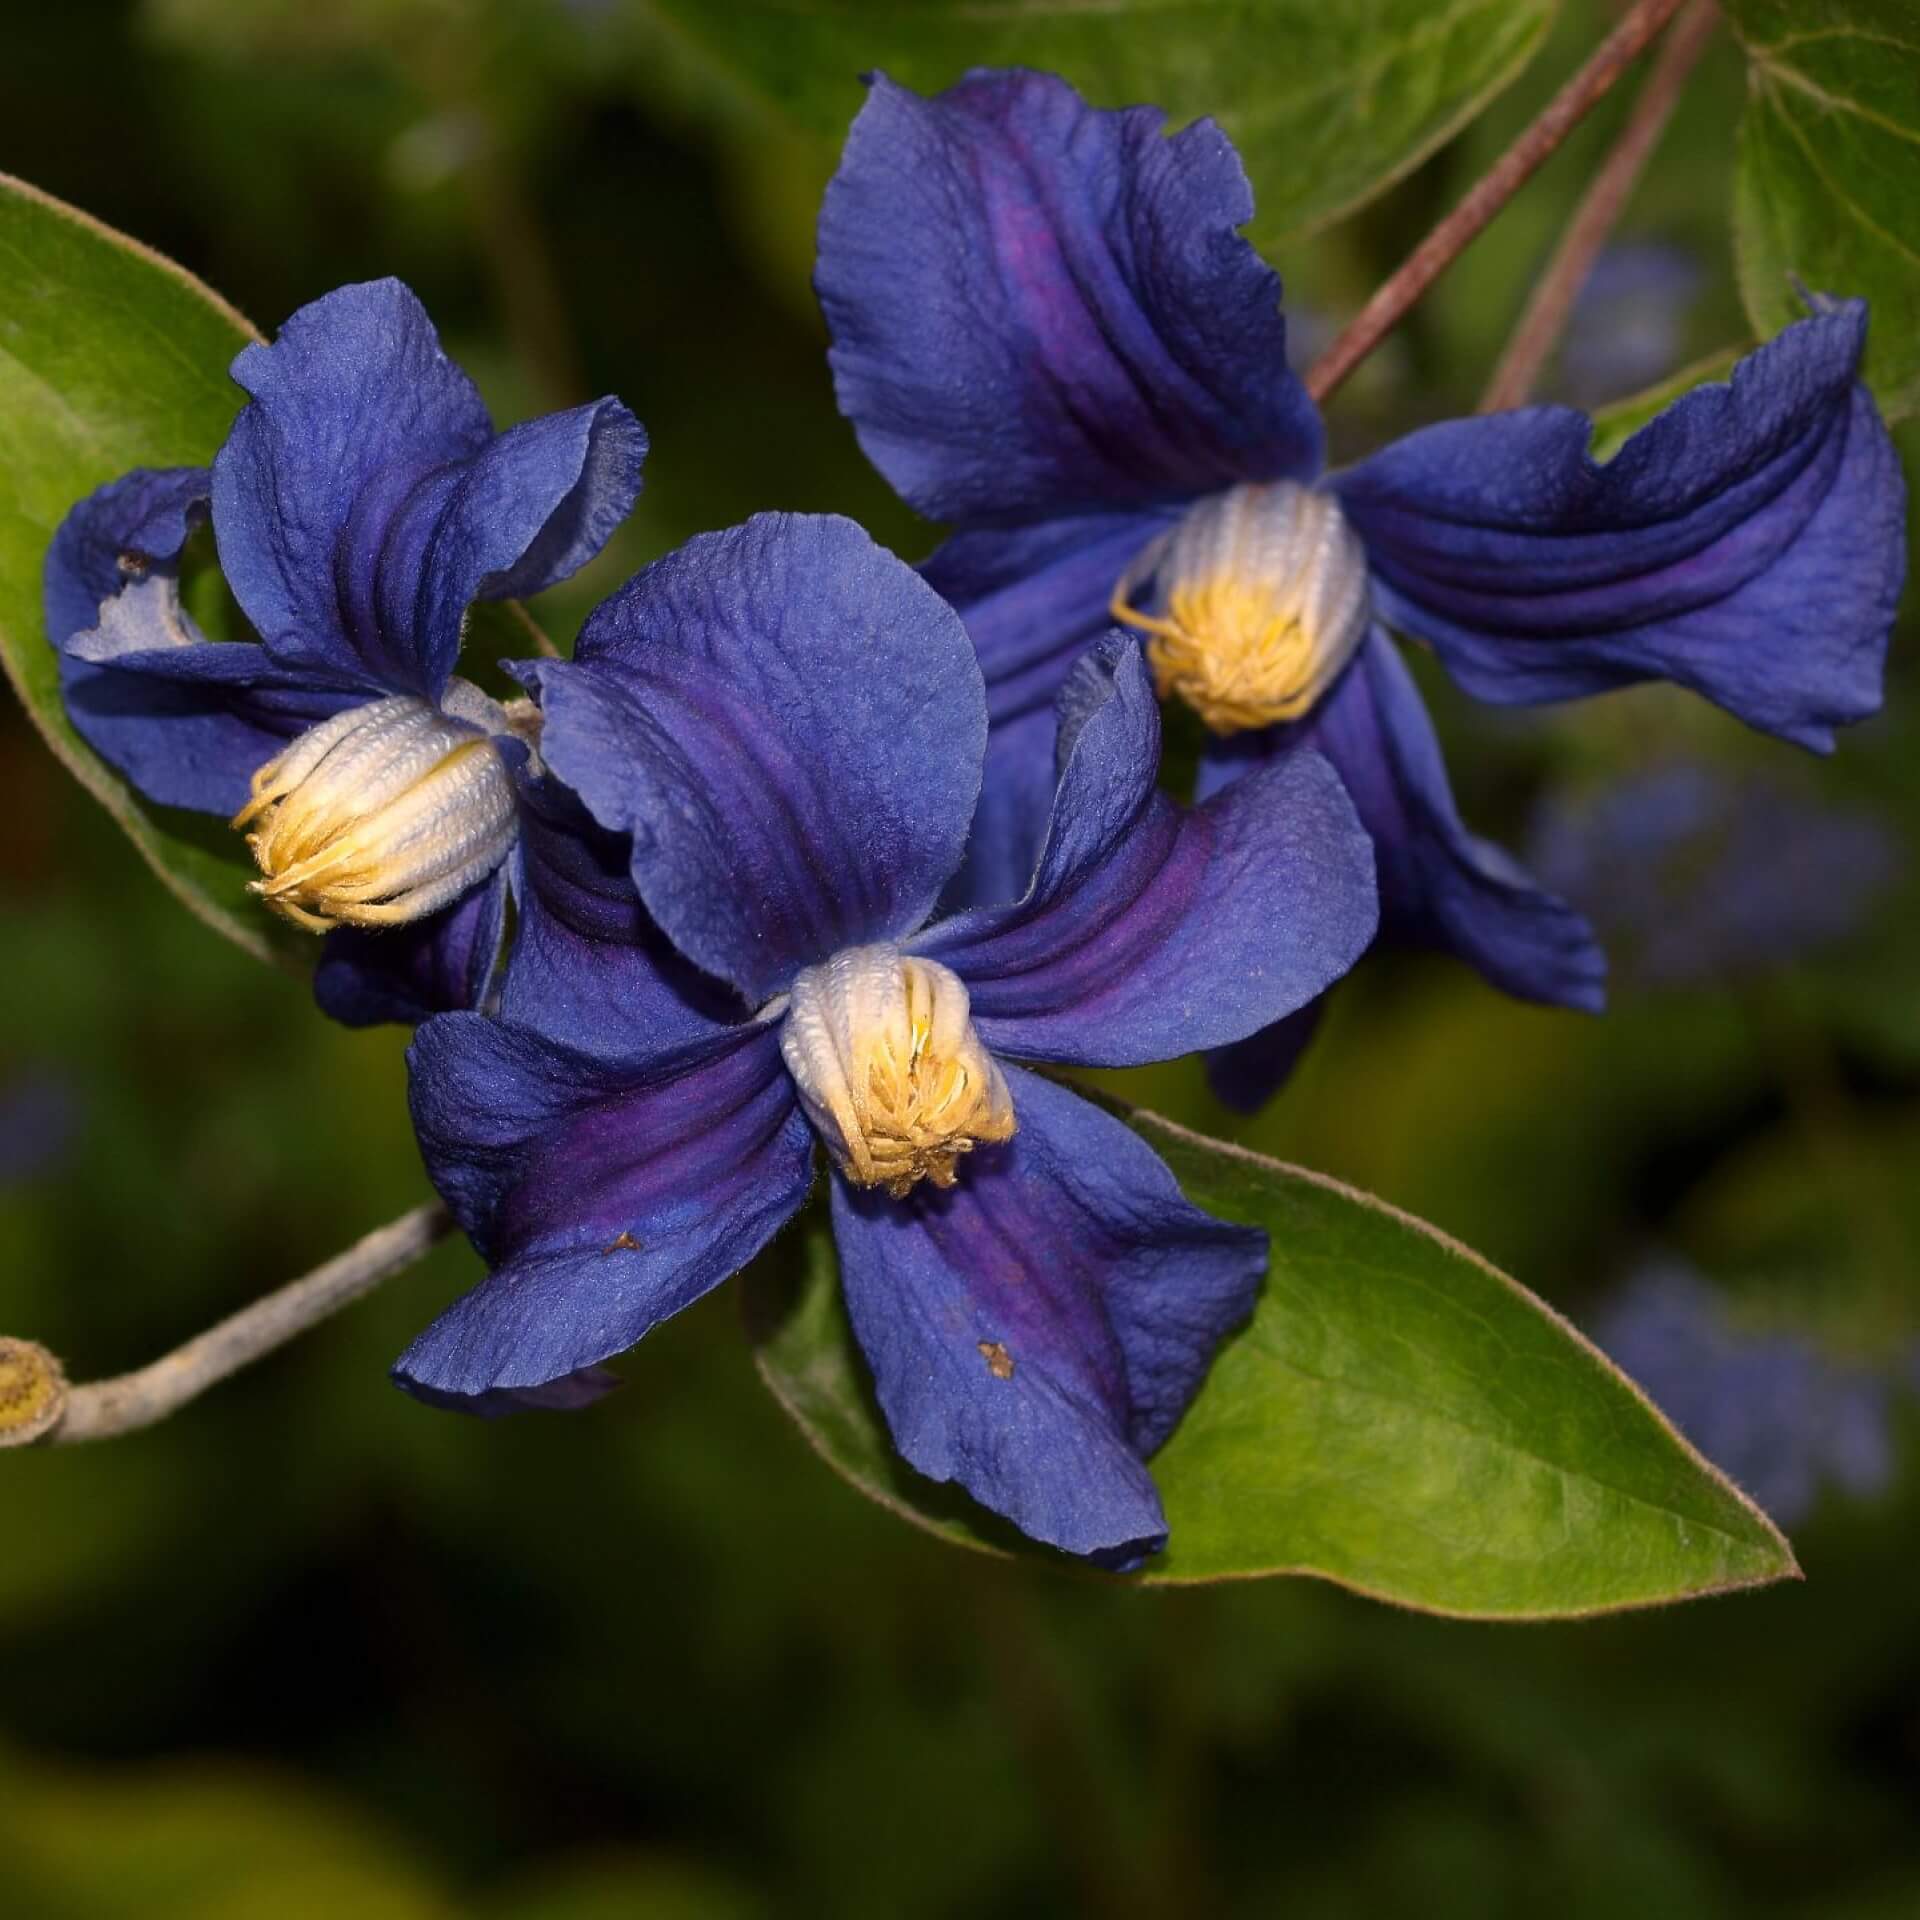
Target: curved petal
x,y
130,530
1440,885
568,1394
437,965
589,968
362,499
1037,1330
1748,543
1038,307
790,723
1154,930
605,1199
1247,1074
189,723
186,720
1033,599
1010,823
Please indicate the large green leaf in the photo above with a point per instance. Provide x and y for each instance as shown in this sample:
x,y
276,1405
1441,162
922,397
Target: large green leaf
x,y
110,357
1329,104
1828,183
1399,1417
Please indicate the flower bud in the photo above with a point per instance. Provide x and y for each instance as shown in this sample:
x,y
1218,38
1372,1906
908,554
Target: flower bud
x,y
1260,599
33,1392
379,816
890,1070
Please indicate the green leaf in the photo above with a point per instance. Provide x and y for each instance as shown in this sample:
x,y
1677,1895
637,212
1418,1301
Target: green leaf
x,y
1828,180
1328,104
1398,1417
110,357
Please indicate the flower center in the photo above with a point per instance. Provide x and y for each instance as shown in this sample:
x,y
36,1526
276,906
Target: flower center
x,y
1259,599
379,816
882,1048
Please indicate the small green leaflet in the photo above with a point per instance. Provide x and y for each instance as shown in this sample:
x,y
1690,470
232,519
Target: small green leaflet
x,y
1398,1417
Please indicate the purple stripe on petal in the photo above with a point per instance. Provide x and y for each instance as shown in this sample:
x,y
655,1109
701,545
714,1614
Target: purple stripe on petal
x,y
1748,543
1154,930
353,405
1037,1331
362,500
1039,308
790,723
605,1198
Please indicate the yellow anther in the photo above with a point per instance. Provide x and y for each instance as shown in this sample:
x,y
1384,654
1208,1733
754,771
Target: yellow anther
x,y
1259,600
379,816
882,1048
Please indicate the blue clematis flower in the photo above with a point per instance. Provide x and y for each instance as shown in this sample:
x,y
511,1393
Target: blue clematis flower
x,y
1048,331
784,727
360,504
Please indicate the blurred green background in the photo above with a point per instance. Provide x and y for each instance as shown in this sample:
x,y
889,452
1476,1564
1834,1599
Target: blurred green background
x,y
311,1649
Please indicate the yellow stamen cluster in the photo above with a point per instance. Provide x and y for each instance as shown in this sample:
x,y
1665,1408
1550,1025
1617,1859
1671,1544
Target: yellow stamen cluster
x,y
379,816
1260,601
882,1048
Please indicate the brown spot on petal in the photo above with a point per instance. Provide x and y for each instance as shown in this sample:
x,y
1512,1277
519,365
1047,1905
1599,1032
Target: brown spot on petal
x,y
625,1244
999,1360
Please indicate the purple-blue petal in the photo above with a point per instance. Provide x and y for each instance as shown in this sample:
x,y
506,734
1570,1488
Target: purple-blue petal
x,y
362,499
1036,1331
604,1198
186,720
1010,823
1247,1074
789,723
437,965
188,725
1033,599
134,528
1039,307
568,1394
1154,930
589,967
1441,886
1748,543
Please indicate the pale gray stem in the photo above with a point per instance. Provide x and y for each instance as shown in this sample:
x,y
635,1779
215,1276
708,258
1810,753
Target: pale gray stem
x,y
57,1414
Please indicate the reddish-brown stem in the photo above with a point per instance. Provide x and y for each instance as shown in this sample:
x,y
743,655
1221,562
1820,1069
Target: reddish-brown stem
x,y
1545,318
1502,181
